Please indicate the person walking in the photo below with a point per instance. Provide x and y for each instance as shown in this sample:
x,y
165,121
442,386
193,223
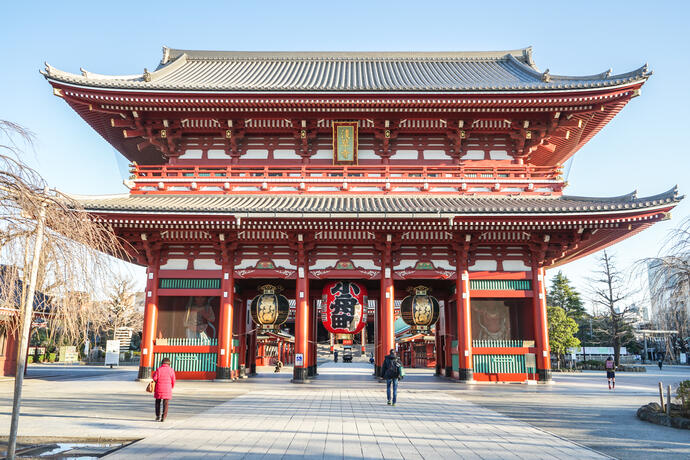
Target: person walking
x,y
660,363
391,372
610,366
335,356
164,377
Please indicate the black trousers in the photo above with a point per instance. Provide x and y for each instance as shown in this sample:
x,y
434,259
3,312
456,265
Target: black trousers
x,y
165,407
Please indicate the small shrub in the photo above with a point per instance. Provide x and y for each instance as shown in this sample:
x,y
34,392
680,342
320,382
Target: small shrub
x,y
40,358
51,357
31,359
683,393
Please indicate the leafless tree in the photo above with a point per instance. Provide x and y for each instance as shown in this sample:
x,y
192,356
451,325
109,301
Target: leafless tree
x,y
49,245
609,291
121,304
669,286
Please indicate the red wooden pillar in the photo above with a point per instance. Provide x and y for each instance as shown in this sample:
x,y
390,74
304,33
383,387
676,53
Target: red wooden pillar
x,y
541,328
225,348
387,317
311,369
301,316
464,318
150,321
447,340
437,347
242,334
252,350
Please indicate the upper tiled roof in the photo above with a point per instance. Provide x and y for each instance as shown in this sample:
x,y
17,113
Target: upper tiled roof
x,y
346,71
334,206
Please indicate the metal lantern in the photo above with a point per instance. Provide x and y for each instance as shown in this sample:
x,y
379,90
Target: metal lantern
x,y
269,309
344,307
420,310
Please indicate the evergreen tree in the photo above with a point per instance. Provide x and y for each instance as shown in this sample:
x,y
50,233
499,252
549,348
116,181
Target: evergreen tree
x,y
562,330
563,295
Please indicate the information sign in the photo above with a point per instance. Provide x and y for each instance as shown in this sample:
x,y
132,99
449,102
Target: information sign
x,y
299,360
68,355
112,353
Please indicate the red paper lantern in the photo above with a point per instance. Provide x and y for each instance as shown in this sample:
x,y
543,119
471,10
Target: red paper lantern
x,y
344,307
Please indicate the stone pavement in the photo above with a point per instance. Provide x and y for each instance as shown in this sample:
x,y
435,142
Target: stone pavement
x,y
315,422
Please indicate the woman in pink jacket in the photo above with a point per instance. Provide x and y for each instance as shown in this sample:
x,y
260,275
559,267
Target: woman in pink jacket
x,y
164,377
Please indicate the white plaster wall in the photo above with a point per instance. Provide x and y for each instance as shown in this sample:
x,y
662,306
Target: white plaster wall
x,y
206,264
484,265
404,155
367,155
256,154
323,154
284,263
285,154
499,155
175,264
217,154
473,155
515,266
436,155
247,263
192,154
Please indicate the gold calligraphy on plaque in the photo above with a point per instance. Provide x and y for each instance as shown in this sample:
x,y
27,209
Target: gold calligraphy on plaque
x,y
345,142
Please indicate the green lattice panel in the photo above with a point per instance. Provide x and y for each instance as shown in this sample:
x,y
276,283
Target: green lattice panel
x,y
454,357
189,283
499,364
501,285
185,342
189,362
498,343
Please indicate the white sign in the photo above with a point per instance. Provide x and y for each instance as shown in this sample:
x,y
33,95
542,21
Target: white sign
x,y
112,353
299,360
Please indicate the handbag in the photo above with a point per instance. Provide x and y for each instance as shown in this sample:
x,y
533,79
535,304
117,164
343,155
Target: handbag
x,y
151,386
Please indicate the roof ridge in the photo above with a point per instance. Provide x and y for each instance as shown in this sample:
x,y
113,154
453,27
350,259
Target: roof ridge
x,y
522,54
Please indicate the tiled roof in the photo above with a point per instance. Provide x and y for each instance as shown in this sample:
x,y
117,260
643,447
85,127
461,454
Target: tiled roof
x,y
266,205
346,71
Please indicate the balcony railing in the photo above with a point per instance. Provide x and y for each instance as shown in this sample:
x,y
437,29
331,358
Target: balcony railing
x,y
518,179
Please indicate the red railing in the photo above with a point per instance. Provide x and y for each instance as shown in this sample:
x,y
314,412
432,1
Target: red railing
x,y
324,179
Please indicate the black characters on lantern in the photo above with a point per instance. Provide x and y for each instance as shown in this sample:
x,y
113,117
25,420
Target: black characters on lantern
x,y
343,308
344,311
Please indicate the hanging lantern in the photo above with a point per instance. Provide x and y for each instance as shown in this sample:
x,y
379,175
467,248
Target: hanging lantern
x,y
344,307
420,310
269,310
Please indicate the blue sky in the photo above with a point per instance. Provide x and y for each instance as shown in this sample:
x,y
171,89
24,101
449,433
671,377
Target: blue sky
x,y
643,148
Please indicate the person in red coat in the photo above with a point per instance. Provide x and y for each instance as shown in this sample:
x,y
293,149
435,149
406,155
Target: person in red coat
x,y
164,377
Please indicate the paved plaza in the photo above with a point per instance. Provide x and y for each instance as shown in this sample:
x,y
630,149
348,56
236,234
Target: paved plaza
x,y
343,414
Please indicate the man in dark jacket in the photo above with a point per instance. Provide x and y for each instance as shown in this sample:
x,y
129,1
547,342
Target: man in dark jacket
x,y
390,372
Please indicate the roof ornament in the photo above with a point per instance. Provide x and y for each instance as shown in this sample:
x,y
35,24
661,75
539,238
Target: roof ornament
x,y
546,76
147,75
166,55
609,72
84,72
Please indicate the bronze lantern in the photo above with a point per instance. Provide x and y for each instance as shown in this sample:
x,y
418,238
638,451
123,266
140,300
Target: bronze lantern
x,y
269,309
420,310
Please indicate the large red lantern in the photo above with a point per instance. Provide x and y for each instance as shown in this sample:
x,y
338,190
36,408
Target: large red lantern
x,y
344,307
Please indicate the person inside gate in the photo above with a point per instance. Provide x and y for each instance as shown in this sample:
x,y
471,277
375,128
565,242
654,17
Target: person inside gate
x,y
199,318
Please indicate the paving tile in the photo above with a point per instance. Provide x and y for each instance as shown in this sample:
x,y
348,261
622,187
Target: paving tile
x,y
303,422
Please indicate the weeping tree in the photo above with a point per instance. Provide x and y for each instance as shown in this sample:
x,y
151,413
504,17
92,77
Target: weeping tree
x,y
48,245
669,287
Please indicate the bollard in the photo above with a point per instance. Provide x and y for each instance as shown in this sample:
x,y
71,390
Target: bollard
x,y
668,400
661,396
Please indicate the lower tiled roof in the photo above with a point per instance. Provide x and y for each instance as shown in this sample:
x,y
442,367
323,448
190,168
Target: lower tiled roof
x,y
347,205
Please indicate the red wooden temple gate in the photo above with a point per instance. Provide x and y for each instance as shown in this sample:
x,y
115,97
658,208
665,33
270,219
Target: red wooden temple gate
x,y
389,169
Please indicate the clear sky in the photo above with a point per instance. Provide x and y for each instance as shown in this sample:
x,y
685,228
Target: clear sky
x,y
644,148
